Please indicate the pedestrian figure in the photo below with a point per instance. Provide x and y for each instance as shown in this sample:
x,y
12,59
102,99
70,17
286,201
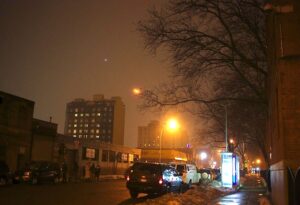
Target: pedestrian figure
x,y
83,173
87,171
64,170
75,171
97,172
92,171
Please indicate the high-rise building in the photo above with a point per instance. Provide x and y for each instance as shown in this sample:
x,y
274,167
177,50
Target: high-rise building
x,y
100,119
149,137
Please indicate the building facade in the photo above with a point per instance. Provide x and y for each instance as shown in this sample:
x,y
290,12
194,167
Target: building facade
x,y
16,115
100,119
149,137
113,159
43,140
283,137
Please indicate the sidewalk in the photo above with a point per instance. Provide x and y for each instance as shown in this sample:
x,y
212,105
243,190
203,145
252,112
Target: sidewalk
x,y
252,191
101,178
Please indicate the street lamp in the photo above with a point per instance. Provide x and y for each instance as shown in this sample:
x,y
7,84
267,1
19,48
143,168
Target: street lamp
x,y
203,155
172,124
136,91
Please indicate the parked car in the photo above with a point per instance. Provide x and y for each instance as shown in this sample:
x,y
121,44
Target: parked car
x,y
189,173
40,171
5,175
152,178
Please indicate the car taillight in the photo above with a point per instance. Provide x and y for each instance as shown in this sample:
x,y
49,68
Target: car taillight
x,y
160,181
127,178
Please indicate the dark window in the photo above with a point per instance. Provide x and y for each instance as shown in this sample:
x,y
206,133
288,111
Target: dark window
x,y
104,155
119,157
112,156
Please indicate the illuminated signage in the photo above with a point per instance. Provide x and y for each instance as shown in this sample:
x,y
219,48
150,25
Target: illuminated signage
x,y
227,169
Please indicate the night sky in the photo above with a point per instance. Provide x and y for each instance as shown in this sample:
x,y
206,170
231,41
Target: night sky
x,y
53,51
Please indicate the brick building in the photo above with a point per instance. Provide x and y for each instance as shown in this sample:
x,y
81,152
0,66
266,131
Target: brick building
x,y
16,116
283,27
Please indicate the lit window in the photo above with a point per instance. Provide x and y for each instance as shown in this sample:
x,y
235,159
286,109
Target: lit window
x,y
93,120
81,114
74,136
86,131
87,114
97,136
76,115
98,114
80,131
76,109
98,125
70,125
75,125
86,125
74,131
97,131
79,136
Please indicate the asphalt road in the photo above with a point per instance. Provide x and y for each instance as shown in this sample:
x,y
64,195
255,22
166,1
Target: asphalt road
x,y
106,192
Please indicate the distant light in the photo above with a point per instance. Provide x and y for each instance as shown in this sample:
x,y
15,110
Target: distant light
x,y
231,141
105,59
258,161
203,155
136,91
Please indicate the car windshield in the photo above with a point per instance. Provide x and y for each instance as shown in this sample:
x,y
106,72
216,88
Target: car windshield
x,y
180,168
147,168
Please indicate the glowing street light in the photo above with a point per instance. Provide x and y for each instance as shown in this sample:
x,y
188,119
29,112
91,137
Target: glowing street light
x,y
203,155
172,125
231,141
258,161
136,91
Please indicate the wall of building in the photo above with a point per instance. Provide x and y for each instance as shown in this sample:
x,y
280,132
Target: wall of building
x,y
119,121
44,134
15,129
284,94
113,159
100,119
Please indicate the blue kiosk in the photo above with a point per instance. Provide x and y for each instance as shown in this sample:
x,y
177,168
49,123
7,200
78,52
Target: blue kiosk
x,y
230,169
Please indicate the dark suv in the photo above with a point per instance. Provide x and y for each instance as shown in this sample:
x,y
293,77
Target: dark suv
x,y
152,178
41,171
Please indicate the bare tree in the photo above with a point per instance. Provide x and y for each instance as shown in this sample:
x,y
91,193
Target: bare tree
x,y
218,52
